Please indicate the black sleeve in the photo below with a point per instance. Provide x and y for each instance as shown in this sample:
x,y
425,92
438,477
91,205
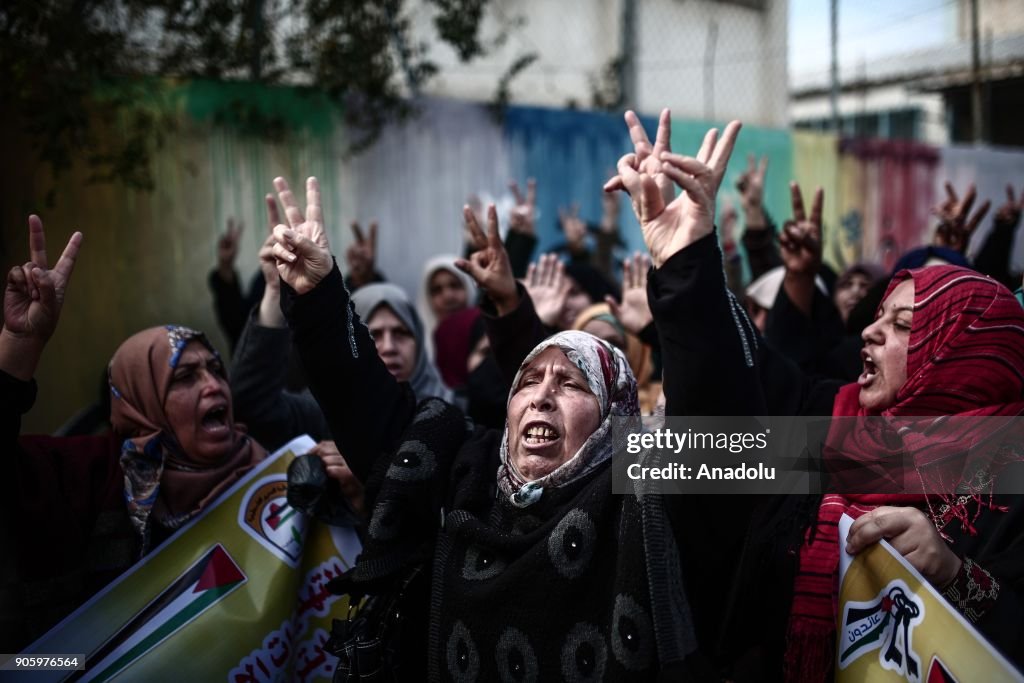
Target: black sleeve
x,y
762,249
994,257
995,551
520,248
259,371
366,408
708,345
229,305
805,340
16,399
715,362
514,334
604,251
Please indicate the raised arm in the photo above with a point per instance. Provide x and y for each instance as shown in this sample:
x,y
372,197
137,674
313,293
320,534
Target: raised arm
x,y
260,365
993,258
801,249
513,326
228,301
33,298
708,345
367,410
32,303
956,222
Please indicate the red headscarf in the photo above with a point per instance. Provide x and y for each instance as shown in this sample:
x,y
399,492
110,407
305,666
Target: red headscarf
x,y
965,358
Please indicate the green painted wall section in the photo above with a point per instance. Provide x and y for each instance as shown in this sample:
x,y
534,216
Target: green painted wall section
x,y
776,144
146,255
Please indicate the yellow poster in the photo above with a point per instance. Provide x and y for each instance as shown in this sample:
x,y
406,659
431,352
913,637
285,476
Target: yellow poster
x,y
894,626
237,595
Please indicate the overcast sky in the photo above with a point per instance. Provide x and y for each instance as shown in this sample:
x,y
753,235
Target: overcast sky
x,y
868,30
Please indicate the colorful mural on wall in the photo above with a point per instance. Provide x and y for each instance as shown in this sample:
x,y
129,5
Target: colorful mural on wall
x,y
147,255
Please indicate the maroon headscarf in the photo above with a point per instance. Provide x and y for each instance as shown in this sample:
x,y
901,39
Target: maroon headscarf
x,y
452,346
965,358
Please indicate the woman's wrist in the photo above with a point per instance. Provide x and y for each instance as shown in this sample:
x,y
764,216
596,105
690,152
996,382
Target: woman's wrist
x,y
19,355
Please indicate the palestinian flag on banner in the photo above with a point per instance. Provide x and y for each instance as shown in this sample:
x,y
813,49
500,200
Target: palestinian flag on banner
x,y
202,585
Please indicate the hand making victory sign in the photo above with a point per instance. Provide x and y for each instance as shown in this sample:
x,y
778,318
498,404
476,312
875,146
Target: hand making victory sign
x,y
670,223
489,265
32,301
302,252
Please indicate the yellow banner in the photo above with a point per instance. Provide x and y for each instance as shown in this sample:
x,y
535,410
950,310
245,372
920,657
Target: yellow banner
x,y
238,595
894,626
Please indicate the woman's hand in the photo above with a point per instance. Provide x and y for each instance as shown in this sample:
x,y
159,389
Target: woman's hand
x,y
670,223
1009,212
956,224
548,288
800,240
634,313
362,256
489,264
913,535
523,217
750,185
301,249
33,299
227,250
575,229
270,314
337,469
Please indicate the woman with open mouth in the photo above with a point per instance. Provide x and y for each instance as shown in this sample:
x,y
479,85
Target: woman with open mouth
x,y
89,507
945,352
538,570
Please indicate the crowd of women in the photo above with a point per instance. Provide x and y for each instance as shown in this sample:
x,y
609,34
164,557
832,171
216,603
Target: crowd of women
x,y
471,431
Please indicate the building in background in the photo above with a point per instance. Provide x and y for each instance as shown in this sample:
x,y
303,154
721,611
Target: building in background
x,y
705,59
926,95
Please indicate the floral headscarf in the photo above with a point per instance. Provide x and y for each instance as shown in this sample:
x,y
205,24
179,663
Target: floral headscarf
x,y
610,380
159,478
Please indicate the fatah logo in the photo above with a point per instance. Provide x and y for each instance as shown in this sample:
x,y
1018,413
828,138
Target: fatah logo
x,y
267,517
205,583
886,624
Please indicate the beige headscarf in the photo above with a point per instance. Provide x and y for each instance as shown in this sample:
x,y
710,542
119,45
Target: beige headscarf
x,y
637,354
159,478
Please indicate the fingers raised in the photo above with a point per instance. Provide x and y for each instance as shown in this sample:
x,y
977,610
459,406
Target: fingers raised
x,y
66,263
291,207
477,236
967,203
707,145
517,194
816,206
314,212
37,241
663,140
637,134
273,214
493,237
723,150
796,199
972,224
